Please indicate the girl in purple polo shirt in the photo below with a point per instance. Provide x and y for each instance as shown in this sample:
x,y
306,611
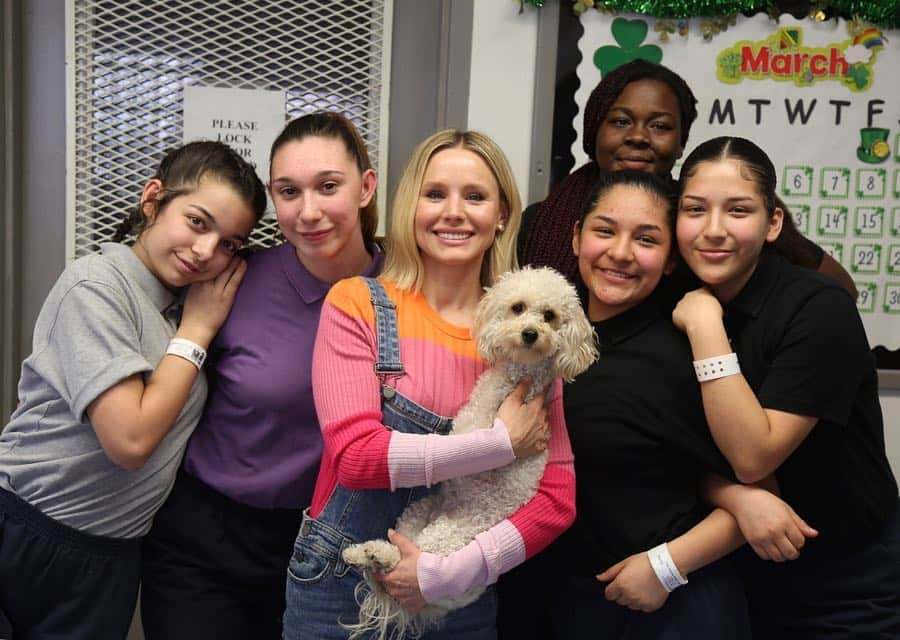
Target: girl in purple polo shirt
x,y
215,560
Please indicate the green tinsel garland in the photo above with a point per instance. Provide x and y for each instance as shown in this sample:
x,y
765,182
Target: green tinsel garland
x,y
679,8
883,13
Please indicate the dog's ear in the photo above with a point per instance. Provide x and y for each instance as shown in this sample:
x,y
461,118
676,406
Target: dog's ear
x,y
485,328
579,344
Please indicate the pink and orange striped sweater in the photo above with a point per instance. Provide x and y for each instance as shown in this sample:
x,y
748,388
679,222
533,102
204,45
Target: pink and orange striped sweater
x,y
442,365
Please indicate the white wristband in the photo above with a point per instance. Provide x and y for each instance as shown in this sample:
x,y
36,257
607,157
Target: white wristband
x,y
664,568
717,367
190,351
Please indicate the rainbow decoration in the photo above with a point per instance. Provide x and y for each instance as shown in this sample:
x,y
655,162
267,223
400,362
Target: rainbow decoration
x,y
869,38
788,39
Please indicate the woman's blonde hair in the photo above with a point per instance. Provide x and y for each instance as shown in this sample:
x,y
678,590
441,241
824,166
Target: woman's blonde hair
x,y
404,264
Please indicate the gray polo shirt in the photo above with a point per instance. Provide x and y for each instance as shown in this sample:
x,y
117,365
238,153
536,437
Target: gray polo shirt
x,y
102,322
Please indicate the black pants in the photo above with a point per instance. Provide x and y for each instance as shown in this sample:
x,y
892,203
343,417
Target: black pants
x,y
215,568
847,594
538,603
59,583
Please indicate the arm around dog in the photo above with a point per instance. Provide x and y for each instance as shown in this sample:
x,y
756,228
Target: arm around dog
x,y
522,434
509,543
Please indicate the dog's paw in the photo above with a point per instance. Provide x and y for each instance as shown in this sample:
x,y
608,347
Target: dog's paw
x,y
374,554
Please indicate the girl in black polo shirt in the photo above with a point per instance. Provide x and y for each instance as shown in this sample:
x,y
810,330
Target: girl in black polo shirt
x,y
802,404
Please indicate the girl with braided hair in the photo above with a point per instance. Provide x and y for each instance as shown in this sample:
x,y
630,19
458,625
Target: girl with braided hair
x,y
638,117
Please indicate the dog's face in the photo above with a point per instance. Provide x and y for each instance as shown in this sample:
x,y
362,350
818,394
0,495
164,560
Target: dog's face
x,y
532,315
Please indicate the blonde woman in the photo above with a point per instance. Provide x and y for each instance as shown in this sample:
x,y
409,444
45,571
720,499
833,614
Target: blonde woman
x,y
456,215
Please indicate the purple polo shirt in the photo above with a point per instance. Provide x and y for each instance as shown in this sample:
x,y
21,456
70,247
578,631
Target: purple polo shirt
x,y
258,441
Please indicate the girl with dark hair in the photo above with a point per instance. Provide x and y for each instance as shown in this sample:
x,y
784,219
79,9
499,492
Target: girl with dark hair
x,y
638,117
215,560
789,389
644,558
110,393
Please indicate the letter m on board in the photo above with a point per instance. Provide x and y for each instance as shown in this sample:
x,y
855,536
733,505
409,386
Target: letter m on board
x,y
719,113
757,64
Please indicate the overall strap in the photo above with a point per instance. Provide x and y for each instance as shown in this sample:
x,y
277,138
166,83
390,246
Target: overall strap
x,y
388,337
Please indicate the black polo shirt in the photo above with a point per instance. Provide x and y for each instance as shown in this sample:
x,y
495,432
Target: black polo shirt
x,y
641,444
803,350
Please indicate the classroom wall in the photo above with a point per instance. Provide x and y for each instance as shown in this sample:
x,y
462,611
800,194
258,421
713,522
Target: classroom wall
x,y
44,163
501,80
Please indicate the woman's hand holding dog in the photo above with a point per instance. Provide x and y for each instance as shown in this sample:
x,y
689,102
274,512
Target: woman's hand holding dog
x,y
528,423
402,582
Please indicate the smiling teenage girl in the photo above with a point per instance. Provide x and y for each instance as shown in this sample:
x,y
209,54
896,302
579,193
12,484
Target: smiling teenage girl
x,y
110,394
793,393
393,357
215,560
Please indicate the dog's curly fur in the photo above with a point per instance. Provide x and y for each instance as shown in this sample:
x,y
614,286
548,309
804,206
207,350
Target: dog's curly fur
x,y
530,324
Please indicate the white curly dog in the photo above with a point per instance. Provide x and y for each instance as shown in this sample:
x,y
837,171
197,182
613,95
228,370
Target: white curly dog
x,y
529,324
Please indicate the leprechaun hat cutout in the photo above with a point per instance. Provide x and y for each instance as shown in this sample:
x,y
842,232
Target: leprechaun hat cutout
x,y
873,147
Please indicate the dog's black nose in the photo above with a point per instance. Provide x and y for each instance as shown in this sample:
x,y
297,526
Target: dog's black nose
x,y
529,336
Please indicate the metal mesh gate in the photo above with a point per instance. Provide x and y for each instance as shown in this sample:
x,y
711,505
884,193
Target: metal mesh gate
x,y
129,60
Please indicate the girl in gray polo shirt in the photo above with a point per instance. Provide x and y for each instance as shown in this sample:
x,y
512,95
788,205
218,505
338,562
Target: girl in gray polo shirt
x,y
110,394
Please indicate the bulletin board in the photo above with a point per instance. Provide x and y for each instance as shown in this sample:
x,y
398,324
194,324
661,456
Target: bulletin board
x,y
822,98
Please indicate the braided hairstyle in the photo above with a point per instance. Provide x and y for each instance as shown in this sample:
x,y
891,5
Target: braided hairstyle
x,y
550,233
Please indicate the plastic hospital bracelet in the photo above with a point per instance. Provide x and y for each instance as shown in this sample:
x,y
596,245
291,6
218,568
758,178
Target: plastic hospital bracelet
x,y
190,351
717,367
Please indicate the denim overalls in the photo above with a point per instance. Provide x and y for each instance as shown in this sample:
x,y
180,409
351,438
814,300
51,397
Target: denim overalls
x,y
320,586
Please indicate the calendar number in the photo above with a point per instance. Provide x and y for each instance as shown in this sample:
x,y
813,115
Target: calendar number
x,y
834,249
893,260
800,215
870,183
797,181
869,221
892,298
866,258
865,301
835,182
832,221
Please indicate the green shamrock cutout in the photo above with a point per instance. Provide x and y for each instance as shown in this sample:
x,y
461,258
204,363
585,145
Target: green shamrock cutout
x,y
858,75
629,34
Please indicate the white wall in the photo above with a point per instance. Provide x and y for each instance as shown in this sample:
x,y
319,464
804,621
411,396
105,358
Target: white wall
x,y
890,406
501,80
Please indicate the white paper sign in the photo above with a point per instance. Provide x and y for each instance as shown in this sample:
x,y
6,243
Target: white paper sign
x,y
248,120
822,102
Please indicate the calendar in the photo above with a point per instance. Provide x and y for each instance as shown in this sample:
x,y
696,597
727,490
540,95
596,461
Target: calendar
x,y
821,98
